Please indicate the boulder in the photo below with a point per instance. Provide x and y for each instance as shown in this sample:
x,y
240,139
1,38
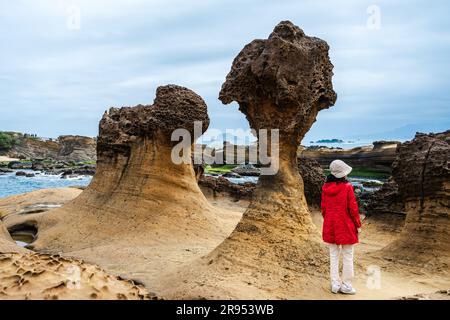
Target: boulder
x,y
221,186
247,169
231,175
384,200
313,179
17,165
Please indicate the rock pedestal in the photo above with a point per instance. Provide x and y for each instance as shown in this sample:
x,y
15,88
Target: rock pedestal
x,y
279,83
422,172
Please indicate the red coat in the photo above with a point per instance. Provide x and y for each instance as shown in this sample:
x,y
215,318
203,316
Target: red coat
x,y
340,213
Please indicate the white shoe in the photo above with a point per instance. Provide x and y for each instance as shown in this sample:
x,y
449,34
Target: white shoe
x,y
335,287
347,289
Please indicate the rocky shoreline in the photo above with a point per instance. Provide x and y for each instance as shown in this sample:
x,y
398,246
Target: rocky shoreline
x,y
377,158
374,196
48,167
70,148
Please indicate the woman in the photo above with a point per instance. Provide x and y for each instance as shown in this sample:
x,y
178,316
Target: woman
x,y
341,225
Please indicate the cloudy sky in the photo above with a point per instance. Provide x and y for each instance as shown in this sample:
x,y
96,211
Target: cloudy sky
x,y
62,63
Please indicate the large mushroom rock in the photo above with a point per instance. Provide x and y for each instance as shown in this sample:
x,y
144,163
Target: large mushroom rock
x,y
422,172
279,83
142,212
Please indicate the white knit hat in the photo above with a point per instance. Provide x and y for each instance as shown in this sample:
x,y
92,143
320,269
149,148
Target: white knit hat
x,y
340,169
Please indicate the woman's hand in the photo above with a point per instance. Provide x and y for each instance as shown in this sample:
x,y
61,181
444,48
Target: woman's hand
x,y
359,230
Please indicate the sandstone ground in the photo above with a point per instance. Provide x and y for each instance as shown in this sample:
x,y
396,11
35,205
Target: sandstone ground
x,y
397,281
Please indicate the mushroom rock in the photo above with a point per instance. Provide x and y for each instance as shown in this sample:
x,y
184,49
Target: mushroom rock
x,y
142,213
422,172
279,83
282,83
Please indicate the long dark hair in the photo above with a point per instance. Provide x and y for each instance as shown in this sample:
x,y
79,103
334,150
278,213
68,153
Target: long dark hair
x,y
331,178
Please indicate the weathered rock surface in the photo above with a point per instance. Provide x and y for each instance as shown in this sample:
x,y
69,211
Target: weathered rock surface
x,y
438,295
310,170
142,213
30,148
221,186
36,201
378,158
76,148
384,200
422,172
83,171
247,170
279,83
313,178
30,275
67,148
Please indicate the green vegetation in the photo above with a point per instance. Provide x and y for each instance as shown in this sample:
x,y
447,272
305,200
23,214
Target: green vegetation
x,y
365,173
89,162
7,140
219,169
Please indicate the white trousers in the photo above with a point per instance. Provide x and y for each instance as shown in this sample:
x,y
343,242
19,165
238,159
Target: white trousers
x,y
347,263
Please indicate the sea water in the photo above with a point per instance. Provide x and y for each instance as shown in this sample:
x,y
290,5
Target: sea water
x,y
10,184
349,144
